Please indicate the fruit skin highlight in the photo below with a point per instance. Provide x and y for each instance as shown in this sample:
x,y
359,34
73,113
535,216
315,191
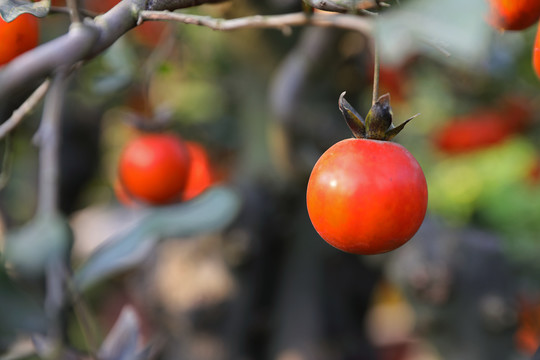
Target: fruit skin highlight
x,y
17,37
367,196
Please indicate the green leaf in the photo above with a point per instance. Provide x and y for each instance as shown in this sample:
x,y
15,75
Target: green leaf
x,y
19,311
32,248
450,31
122,341
211,211
10,9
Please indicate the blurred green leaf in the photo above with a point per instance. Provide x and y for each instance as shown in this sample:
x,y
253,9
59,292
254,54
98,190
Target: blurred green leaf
x,y
435,28
10,9
119,68
123,340
211,211
19,312
514,211
457,185
30,249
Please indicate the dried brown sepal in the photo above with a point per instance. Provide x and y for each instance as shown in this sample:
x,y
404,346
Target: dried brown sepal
x,y
378,123
354,120
379,119
393,131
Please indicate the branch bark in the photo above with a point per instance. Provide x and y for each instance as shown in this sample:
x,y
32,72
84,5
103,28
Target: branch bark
x,y
82,42
343,5
24,109
87,39
171,5
350,22
49,143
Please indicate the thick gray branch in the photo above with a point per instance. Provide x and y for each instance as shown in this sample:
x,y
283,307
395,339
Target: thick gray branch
x,y
49,143
82,42
92,37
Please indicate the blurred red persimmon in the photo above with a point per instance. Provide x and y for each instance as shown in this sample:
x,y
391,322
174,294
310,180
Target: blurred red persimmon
x,y
200,174
513,14
17,37
483,127
153,168
536,53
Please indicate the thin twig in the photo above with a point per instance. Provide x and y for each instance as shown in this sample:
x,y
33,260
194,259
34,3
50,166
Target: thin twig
x,y
6,164
27,106
376,70
172,5
344,21
84,318
65,10
73,11
342,6
49,140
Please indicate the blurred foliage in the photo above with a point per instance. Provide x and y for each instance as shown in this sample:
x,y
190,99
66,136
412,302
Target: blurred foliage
x,y
33,248
209,212
10,9
264,103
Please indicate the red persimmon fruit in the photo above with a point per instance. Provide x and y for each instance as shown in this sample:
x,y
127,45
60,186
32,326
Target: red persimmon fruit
x,y
484,127
17,37
513,14
153,168
536,53
200,174
367,195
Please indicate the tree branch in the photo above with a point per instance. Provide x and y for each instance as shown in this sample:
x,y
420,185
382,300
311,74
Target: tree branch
x,y
73,11
90,38
24,109
49,142
343,5
82,42
172,5
350,22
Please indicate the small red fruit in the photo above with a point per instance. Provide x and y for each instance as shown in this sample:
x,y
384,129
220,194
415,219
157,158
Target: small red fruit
x,y
200,175
484,127
17,37
367,195
513,14
153,168
472,132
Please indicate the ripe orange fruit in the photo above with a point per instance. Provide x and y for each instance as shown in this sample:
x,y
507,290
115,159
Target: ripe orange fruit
x,y
17,36
513,14
536,53
200,175
153,168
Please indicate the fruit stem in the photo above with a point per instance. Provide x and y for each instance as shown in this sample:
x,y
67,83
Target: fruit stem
x,y
73,11
376,67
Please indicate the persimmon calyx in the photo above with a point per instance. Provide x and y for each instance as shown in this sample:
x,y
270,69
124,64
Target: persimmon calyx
x,y
354,120
378,123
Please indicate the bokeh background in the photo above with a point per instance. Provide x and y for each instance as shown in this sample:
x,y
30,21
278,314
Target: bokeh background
x,y
264,104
